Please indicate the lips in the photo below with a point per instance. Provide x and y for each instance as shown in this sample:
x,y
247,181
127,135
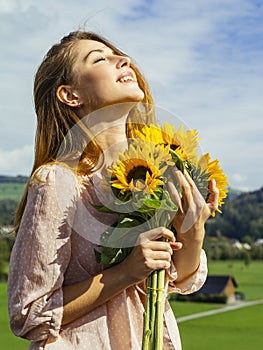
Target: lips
x,y
126,77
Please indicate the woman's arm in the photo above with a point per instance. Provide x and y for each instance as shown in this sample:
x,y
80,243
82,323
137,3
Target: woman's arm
x,y
189,223
81,298
147,255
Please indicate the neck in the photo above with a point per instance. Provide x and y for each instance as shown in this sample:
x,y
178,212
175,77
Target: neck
x,y
108,125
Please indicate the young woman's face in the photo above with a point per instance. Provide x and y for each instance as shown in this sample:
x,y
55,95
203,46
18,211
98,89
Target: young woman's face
x,y
102,77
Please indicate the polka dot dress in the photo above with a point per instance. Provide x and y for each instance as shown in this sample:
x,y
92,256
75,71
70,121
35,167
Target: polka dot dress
x,y
54,247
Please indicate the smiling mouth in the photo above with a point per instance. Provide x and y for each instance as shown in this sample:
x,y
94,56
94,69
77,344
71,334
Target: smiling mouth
x,y
127,79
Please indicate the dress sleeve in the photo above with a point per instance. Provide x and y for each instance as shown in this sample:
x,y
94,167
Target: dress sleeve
x,y
191,284
41,255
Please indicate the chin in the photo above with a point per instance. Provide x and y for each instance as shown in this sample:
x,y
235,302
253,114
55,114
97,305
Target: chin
x,y
137,97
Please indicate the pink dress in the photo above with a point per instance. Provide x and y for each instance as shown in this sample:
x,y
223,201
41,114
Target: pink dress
x,y
55,247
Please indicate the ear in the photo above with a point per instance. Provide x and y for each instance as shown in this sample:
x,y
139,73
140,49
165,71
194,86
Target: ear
x,y
66,95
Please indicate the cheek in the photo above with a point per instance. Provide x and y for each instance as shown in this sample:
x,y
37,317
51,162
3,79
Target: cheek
x,y
88,87
101,90
96,93
96,83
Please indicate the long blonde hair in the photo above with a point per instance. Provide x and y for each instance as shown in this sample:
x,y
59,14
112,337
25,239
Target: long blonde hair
x,y
55,119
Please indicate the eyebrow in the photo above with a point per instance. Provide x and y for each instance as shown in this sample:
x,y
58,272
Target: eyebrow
x,y
95,50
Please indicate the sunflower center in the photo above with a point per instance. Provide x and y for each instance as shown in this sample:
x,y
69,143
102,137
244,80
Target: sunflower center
x,y
138,173
174,147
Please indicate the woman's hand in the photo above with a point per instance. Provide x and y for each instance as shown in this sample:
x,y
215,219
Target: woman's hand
x,y
150,254
193,210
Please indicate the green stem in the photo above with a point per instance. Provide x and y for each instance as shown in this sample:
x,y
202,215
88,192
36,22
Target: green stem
x,y
153,291
159,311
147,313
153,316
158,332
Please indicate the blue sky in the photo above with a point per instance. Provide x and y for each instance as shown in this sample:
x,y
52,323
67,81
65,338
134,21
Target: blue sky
x,y
202,58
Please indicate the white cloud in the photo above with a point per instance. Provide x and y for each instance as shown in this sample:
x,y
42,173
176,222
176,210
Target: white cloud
x,y
238,178
203,59
16,161
7,6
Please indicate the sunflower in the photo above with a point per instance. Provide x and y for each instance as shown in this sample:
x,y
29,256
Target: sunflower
x,y
214,171
183,143
185,140
140,168
152,133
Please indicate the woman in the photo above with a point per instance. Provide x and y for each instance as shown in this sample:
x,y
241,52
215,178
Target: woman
x,y
59,297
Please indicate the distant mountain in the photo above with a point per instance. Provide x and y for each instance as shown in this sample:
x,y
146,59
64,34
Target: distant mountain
x,y
233,193
242,216
13,179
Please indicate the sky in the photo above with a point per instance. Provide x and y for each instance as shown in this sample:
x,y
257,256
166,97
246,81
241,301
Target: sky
x,y
203,60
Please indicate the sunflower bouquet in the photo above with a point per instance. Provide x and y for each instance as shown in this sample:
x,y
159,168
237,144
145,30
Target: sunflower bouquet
x,y
138,183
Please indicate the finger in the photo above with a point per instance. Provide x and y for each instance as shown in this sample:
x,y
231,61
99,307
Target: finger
x,y
189,179
159,246
174,193
197,196
176,245
185,186
156,233
160,264
161,255
213,195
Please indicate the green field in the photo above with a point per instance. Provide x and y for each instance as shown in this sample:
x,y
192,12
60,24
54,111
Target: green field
x,y
238,329
7,340
11,190
249,278
234,330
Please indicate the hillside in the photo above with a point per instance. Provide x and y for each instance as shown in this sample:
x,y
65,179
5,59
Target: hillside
x,y
11,190
19,179
242,216
12,187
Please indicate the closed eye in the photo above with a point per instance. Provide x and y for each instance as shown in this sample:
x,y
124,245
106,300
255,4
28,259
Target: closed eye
x,y
99,59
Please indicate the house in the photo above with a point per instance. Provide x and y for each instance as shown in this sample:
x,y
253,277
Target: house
x,y
241,246
6,229
258,242
218,285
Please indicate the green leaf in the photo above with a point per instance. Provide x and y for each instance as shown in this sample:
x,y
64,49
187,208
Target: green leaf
x,y
111,256
152,203
124,235
177,160
97,256
127,220
103,209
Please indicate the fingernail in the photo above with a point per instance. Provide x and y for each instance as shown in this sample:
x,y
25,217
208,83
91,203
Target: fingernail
x,y
176,245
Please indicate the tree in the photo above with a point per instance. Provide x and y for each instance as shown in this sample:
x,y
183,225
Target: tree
x,y
4,258
7,211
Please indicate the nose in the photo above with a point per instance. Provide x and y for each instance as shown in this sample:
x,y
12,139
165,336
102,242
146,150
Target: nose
x,y
123,61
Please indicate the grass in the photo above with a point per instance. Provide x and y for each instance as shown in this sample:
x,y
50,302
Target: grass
x,y
11,190
187,308
238,329
8,341
249,278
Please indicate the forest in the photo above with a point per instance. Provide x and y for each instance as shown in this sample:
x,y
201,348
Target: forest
x,y
13,179
242,216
